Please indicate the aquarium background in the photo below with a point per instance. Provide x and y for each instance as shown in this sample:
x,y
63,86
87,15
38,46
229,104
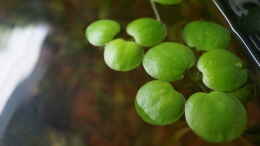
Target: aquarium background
x,y
55,89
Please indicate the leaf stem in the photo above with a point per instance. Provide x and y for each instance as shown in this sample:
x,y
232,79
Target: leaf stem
x,y
156,13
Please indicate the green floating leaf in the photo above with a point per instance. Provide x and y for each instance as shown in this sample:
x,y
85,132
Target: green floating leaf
x,y
121,55
147,32
206,36
102,31
215,116
158,103
168,61
222,70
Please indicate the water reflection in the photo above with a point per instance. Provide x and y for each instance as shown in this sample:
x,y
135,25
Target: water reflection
x,y
20,52
239,6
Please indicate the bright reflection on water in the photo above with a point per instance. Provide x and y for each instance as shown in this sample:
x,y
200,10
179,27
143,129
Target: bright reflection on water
x,y
20,49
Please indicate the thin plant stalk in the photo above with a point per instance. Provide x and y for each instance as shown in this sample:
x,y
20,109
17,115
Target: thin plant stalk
x,y
156,13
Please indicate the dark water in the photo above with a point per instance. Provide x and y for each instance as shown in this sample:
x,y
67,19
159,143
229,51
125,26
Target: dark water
x,y
59,92
243,17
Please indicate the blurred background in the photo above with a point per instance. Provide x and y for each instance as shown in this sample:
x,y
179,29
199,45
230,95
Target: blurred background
x,y
55,89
